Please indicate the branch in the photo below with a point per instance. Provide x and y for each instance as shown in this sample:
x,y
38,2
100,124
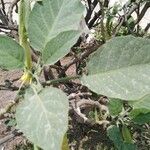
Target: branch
x,y
84,103
3,6
147,27
9,137
8,27
123,18
10,11
96,16
82,56
90,10
144,10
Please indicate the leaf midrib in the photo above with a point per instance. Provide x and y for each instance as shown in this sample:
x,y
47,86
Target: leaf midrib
x,y
53,25
42,105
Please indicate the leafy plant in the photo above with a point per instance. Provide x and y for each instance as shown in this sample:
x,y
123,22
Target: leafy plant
x,y
121,73
42,110
122,69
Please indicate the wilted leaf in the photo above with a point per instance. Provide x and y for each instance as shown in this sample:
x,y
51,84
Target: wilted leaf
x,y
120,68
43,117
11,54
52,17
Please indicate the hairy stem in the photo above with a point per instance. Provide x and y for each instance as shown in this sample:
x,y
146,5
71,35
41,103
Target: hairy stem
x,y
23,40
66,79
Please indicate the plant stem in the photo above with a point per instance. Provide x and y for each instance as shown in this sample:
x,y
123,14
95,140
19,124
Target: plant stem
x,y
60,80
23,40
102,21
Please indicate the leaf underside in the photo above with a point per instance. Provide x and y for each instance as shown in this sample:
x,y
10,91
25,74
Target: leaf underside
x,y
120,68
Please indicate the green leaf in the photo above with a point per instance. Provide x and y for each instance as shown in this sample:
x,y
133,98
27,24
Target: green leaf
x,y
43,117
114,134
120,68
51,17
126,134
27,11
140,106
142,118
128,146
11,54
59,46
115,106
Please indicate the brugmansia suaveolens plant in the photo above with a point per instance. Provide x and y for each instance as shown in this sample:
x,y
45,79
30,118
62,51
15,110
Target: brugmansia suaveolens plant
x,y
52,27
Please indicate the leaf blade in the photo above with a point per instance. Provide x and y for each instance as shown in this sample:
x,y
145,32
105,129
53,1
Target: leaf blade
x,y
115,106
122,70
44,113
11,54
49,26
59,46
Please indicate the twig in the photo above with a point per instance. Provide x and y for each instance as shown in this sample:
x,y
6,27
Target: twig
x,y
9,137
8,27
75,95
96,16
144,10
11,88
82,56
10,11
3,6
123,18
6,109
59,80
86,103
147,27
91,7
48,74
3,17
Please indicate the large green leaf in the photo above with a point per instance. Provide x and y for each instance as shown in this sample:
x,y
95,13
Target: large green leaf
x,y
43,117
120,68
59,46
51,17
11,54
